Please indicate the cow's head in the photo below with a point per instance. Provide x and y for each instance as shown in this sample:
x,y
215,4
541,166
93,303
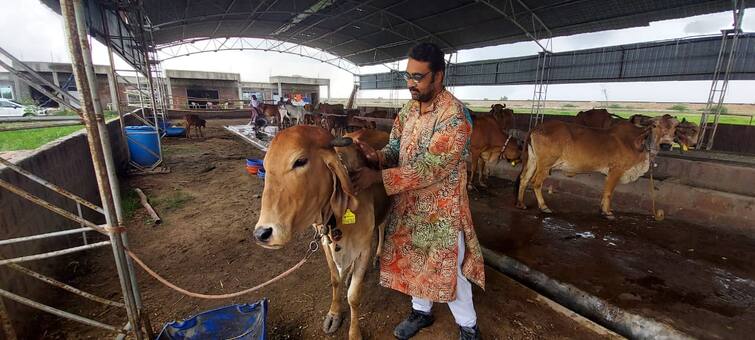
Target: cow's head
x,y
659,133
512,151
686,134
304,179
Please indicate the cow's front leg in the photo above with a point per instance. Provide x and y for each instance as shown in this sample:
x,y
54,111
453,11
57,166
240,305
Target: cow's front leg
x,y
354,293
333,319
605,203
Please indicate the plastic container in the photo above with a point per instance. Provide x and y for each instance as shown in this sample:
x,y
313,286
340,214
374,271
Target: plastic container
x,y
261,173
240,321
253,166
175,131
143,144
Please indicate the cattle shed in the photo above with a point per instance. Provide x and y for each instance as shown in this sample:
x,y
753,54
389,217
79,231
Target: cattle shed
x,y
688,276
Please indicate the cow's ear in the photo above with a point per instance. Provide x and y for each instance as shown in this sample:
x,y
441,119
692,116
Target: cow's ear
x,y
343,193
492,107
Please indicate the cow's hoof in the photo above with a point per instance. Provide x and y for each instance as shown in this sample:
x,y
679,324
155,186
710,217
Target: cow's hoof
x,y
331,323
546,210
521,205
609,216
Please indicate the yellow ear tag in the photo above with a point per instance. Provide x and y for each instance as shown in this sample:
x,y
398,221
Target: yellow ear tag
x,y
684,147
349,217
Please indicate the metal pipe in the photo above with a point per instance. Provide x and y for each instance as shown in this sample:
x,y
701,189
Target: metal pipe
x,y
114,85
32,73
18,191
81,216
49,185
64,286
38,87
75,30
631,325
42,236
8,331
53,253
58,312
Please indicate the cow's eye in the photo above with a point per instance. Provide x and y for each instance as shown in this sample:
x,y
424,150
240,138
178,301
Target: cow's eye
x,y
300,162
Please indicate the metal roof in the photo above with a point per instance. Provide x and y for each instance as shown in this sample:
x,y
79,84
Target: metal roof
x,y
377,31
668,60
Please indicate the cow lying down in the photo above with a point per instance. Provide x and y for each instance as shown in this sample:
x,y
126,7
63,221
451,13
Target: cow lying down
x,y
307,184
622,152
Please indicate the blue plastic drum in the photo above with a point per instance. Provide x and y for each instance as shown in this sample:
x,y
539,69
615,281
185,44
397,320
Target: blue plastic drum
x,y
143,144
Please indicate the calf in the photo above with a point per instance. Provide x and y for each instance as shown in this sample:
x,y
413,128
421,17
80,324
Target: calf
x,y
622,152
307,184
597,118
490,136
198,123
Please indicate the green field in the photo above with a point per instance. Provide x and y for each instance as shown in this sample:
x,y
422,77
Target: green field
x,y
33,138
692,117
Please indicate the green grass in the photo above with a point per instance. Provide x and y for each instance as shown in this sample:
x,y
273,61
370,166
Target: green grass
x,y
129,202
692,117
173,201
33,138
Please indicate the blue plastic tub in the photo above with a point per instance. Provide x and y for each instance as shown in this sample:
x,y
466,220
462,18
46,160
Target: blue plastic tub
x,y
175,131
254,162
261,173
240,321
141,139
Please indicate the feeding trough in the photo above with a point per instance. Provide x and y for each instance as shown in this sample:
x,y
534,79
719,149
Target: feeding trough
x,y
239,321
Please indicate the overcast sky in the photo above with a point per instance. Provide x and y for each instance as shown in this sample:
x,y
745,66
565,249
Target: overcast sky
x,y
33,32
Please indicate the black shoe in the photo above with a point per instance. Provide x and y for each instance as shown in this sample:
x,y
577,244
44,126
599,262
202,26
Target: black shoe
x,y
469,333
412,324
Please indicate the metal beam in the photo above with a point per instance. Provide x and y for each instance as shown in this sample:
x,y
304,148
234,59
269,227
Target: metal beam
x,y
225,12
509,12
254,12
267,45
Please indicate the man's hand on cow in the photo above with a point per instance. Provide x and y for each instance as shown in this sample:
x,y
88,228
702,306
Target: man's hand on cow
x,y
365,178
369,153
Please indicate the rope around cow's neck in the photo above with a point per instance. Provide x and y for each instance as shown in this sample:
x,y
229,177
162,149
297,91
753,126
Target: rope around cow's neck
x,y
313,246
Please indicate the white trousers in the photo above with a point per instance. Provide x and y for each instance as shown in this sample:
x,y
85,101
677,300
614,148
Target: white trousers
x,y
462,307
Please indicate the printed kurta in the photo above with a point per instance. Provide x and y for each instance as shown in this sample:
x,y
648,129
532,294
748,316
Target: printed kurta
x,y
426,176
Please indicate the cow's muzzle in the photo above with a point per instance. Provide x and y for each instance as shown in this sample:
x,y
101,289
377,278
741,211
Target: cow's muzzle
x,y
666,146
263,234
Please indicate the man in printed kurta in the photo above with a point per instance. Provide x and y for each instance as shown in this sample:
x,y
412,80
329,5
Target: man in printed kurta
x,y
431,251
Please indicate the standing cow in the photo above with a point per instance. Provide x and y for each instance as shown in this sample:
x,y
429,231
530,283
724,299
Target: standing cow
x,y
622,153
307,183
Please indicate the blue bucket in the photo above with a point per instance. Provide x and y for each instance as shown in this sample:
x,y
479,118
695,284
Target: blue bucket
x,y
261,173
254,162
240,321
141,139
175,131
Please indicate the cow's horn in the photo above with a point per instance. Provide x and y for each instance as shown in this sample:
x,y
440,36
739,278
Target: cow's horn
x,y
341,142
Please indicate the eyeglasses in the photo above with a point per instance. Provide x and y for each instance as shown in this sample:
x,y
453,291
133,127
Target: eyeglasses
x,y
414,77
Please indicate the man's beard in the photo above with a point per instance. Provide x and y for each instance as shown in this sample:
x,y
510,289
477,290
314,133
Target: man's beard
x,y
422,97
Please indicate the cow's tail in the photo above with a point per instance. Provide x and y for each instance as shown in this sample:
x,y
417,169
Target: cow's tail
x,y
525,158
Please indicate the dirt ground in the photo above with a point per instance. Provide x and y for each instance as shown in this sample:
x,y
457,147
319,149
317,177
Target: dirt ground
x,y
209,206
699,280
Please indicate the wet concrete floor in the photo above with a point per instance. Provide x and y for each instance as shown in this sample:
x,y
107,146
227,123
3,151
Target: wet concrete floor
x,y
699,280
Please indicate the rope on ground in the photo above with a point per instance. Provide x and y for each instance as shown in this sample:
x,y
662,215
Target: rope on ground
x,y
313,246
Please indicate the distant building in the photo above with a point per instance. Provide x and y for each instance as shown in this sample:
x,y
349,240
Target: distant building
x,y
185,89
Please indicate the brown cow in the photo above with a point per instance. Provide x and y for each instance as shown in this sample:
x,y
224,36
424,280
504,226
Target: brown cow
x,y
490,135
622,152
686,133
307,184
597,118
504,116
271,113
329,108
198,123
